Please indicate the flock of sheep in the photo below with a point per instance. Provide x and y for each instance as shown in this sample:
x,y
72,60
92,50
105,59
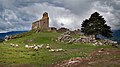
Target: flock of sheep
x,y
37,47
14,45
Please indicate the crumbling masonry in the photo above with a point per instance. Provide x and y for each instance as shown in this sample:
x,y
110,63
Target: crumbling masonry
x,y
42,24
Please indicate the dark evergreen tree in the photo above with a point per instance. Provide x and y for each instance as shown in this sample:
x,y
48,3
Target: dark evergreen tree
x,y
95,25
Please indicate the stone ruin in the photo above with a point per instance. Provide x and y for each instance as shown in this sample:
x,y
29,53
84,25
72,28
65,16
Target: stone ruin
x,y
67,37
42,24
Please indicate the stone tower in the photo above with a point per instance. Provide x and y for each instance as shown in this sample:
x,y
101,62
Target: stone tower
x,y
42,24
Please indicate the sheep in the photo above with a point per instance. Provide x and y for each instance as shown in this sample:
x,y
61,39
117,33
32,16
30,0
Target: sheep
x,y
56,50
40,46
16,45
26,46
52,50
11,44
34,45
36,48
48,47
29,46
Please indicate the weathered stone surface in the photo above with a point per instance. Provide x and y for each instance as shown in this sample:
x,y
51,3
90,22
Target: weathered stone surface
x,y
66,37
42,24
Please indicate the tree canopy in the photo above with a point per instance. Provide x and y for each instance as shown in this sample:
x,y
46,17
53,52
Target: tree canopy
x,y
96,25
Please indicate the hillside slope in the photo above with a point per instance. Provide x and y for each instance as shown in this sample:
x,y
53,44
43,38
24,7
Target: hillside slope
x,y
23,57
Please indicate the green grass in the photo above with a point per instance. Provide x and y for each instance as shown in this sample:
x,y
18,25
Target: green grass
x,y
42,57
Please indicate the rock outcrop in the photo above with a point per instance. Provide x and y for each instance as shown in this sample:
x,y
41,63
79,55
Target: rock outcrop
x,y
66,37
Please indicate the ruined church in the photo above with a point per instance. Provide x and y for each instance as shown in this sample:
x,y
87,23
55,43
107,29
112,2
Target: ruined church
x,y
42,24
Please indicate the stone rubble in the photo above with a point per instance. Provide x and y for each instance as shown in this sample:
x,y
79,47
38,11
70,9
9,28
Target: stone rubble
x,y
72,61
66,37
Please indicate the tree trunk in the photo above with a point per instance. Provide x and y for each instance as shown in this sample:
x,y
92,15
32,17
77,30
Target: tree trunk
x,y
95,36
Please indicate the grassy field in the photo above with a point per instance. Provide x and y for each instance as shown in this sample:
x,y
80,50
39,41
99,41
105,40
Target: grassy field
x,y
11,56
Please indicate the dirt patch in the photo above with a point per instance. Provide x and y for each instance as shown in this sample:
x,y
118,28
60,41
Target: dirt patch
x,y
73,62
93,62
104,52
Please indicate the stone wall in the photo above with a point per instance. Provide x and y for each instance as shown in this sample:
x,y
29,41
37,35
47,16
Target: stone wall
x,y
35,25
42,24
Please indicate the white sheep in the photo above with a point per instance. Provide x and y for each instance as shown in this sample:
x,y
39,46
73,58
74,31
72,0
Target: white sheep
x,y
48,47
12,44
40,46
52,50
34,45
58,50
29,46
16,45
26,46
36,48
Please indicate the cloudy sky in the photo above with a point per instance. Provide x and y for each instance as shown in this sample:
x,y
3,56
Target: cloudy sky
x,y
16,15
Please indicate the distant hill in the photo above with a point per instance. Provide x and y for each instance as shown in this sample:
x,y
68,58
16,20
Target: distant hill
x,y
2,35
116,33
116,36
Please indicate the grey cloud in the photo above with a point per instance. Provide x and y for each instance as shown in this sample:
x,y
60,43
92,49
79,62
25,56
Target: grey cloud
x,y
19,14
76,6
111,10
22,17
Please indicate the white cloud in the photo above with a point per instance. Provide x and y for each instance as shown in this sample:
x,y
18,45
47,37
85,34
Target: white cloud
x,y
110,11
19,14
